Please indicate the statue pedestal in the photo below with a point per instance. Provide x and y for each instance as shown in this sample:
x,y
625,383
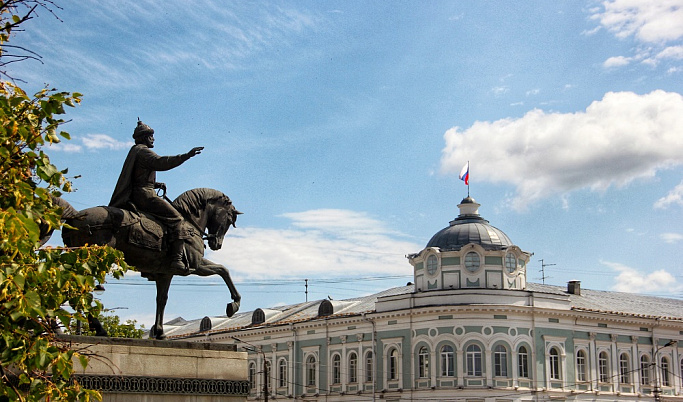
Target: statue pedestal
x,y
150,370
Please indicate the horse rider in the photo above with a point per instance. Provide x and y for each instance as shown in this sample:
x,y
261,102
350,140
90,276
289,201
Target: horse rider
x,y
137,183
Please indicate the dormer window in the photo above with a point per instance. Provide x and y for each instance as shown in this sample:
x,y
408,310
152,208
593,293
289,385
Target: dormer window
x,y
472,261
432,264
510,262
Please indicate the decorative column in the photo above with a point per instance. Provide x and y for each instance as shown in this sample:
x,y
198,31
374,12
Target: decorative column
x,y
635,368
290,368
344,369
488,366
592,362
461,367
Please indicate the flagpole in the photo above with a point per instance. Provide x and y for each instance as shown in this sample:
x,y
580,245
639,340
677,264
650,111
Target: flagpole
x,y
468,181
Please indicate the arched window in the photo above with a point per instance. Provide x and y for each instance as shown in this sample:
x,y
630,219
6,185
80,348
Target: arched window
x,y
510,262
282,373
500,361
624,369
473,355
645,370
368,367
353,367
311,370
423,362
447,366
252,375
666,373
554,363
393,364
523,362
603,367
336,369
472,261
581,368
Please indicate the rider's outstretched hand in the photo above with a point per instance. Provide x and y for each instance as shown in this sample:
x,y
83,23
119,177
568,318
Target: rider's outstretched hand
x,y
195,151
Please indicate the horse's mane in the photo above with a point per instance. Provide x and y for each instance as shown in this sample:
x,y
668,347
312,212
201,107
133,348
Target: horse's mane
x,y
192,202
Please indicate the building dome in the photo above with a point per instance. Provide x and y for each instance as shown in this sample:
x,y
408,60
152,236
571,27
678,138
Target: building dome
x,y
469,227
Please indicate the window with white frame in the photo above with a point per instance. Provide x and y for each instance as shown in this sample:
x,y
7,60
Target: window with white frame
x,y
252,375
624,369
282,373
603,367
644,370
581,368
473,360
393,364
368,367
423,362
554,363
500,361
447,366
353,367
336,369
311,370
523,362
666,373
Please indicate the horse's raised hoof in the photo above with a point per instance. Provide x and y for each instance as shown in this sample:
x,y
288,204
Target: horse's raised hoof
x,y
232,309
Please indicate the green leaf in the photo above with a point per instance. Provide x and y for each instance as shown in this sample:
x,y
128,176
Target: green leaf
x,y
83,360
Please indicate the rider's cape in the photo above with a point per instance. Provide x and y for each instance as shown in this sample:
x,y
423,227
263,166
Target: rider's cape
x,y
124,186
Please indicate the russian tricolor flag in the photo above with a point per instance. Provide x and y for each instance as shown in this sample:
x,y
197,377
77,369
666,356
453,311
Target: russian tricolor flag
x,y
465,173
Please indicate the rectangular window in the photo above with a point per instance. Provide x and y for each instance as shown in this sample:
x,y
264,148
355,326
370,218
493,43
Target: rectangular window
x,y
554,362
580,366
474,363
368,367
603,367
500,363
523,364
624,371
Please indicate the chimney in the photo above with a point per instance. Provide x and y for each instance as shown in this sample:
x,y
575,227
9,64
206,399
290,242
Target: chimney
x,y
574,287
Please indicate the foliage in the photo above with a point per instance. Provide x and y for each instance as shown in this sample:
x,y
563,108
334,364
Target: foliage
x,y
116,329
35,283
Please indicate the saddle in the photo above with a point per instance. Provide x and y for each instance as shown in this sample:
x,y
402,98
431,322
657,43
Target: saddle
x,y
147,230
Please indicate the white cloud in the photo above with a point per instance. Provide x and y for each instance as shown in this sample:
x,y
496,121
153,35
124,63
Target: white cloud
x,y
324,242
500,91
103,141
653,25
633,281
671,237
623,137
671,52
674,197
618,61
91,142
68,147
648,21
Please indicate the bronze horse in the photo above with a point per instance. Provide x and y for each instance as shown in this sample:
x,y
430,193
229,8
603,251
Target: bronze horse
x,y
140,238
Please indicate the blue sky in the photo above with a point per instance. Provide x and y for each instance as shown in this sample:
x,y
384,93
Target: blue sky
x,y
339,129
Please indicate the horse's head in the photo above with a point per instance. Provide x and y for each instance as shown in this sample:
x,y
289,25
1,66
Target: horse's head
x,y
224,215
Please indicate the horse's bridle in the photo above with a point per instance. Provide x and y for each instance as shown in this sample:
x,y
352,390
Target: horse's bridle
x,y
205,236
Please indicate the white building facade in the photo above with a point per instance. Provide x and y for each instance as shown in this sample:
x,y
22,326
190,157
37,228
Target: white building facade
x,y
469,328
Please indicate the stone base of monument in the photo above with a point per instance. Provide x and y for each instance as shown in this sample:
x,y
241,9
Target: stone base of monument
x,y
150,370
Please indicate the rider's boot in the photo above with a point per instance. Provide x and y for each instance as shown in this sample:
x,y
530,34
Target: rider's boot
x,y
177,265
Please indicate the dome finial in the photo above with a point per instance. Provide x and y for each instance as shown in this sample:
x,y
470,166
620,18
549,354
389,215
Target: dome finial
x,y
468,206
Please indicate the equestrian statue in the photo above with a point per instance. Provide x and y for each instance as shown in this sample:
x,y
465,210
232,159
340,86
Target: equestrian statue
x,y
159,237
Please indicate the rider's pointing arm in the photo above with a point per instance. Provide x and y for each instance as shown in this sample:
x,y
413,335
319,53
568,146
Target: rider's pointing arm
x,y
148,159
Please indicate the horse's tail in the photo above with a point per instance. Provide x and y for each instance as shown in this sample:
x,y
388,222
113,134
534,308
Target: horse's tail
x,y
68,212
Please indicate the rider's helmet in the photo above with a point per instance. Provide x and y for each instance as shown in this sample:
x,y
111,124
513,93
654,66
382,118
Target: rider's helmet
x,y
142,130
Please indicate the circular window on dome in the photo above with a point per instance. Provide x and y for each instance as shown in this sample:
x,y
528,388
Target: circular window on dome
x,y
472,261
510,262
432,264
